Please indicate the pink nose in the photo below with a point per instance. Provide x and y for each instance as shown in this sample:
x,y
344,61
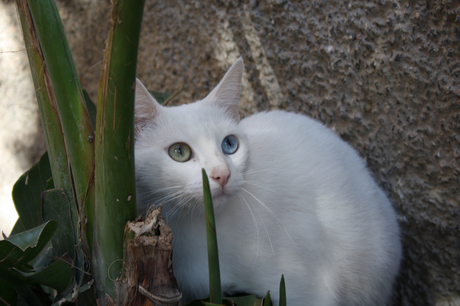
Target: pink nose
x,y
221,176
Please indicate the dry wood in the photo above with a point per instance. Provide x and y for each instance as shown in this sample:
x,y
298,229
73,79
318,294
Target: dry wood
x,y
147,268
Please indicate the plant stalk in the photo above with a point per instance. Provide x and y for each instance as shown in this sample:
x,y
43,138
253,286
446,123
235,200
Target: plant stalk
x,y
114,172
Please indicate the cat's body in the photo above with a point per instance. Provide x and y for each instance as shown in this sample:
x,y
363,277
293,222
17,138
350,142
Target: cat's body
x,y
292,199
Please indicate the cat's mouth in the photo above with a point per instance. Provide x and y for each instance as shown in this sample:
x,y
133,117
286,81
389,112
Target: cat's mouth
x,y
218,192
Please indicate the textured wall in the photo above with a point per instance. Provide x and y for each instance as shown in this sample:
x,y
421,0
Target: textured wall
x,y
383,74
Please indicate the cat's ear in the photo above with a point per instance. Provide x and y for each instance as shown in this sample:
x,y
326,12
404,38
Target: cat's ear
x,y
227,93
145,106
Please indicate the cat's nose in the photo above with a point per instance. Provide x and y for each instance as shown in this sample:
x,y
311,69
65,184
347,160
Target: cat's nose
x,y
221,176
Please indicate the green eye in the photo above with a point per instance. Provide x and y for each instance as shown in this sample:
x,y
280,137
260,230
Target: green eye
x,y
180,152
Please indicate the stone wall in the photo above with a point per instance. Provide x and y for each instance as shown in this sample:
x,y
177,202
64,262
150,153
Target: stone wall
x,y
383,74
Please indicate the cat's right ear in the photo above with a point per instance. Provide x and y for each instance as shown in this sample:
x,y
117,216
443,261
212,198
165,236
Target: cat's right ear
x,y
145,107
227,93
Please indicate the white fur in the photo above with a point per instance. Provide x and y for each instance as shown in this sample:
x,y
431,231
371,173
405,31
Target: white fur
x,y
299,202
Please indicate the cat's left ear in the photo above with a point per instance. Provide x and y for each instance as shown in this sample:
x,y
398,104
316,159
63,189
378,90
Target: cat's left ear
x,y
227,93
146,107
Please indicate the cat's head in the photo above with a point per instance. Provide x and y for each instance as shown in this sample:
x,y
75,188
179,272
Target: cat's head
x,y
173,144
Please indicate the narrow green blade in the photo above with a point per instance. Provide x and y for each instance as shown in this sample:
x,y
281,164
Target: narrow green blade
x,y
282,292
213,255
267,299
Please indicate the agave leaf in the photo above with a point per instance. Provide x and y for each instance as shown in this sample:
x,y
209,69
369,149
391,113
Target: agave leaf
x,y
7,293
27,193
69,295
20,288
18,227
25,246
15,252
56,206
213,255
57,275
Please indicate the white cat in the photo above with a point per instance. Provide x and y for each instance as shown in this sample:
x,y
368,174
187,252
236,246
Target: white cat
x,y
290,197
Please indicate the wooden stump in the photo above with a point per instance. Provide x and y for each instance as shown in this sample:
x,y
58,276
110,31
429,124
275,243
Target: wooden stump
x,y
147,266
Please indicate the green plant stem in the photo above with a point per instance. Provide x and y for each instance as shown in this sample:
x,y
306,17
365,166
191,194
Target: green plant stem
x,y
114,172
50,118
73,115
46,101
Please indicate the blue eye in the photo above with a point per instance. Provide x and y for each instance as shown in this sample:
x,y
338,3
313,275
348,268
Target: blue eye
x,y
229,144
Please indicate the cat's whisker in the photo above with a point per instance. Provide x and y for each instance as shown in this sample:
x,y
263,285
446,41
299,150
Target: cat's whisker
x,y
265,188
271,212
168,198
165,189
176,204
266,231
185,202
255,223
250,172
175,212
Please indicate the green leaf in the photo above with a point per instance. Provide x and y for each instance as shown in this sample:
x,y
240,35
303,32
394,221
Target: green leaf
x,y
7,293
213,255
27,193
58,276
56,206
282,292
50,184
72,292
18,227
25,246
21,288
